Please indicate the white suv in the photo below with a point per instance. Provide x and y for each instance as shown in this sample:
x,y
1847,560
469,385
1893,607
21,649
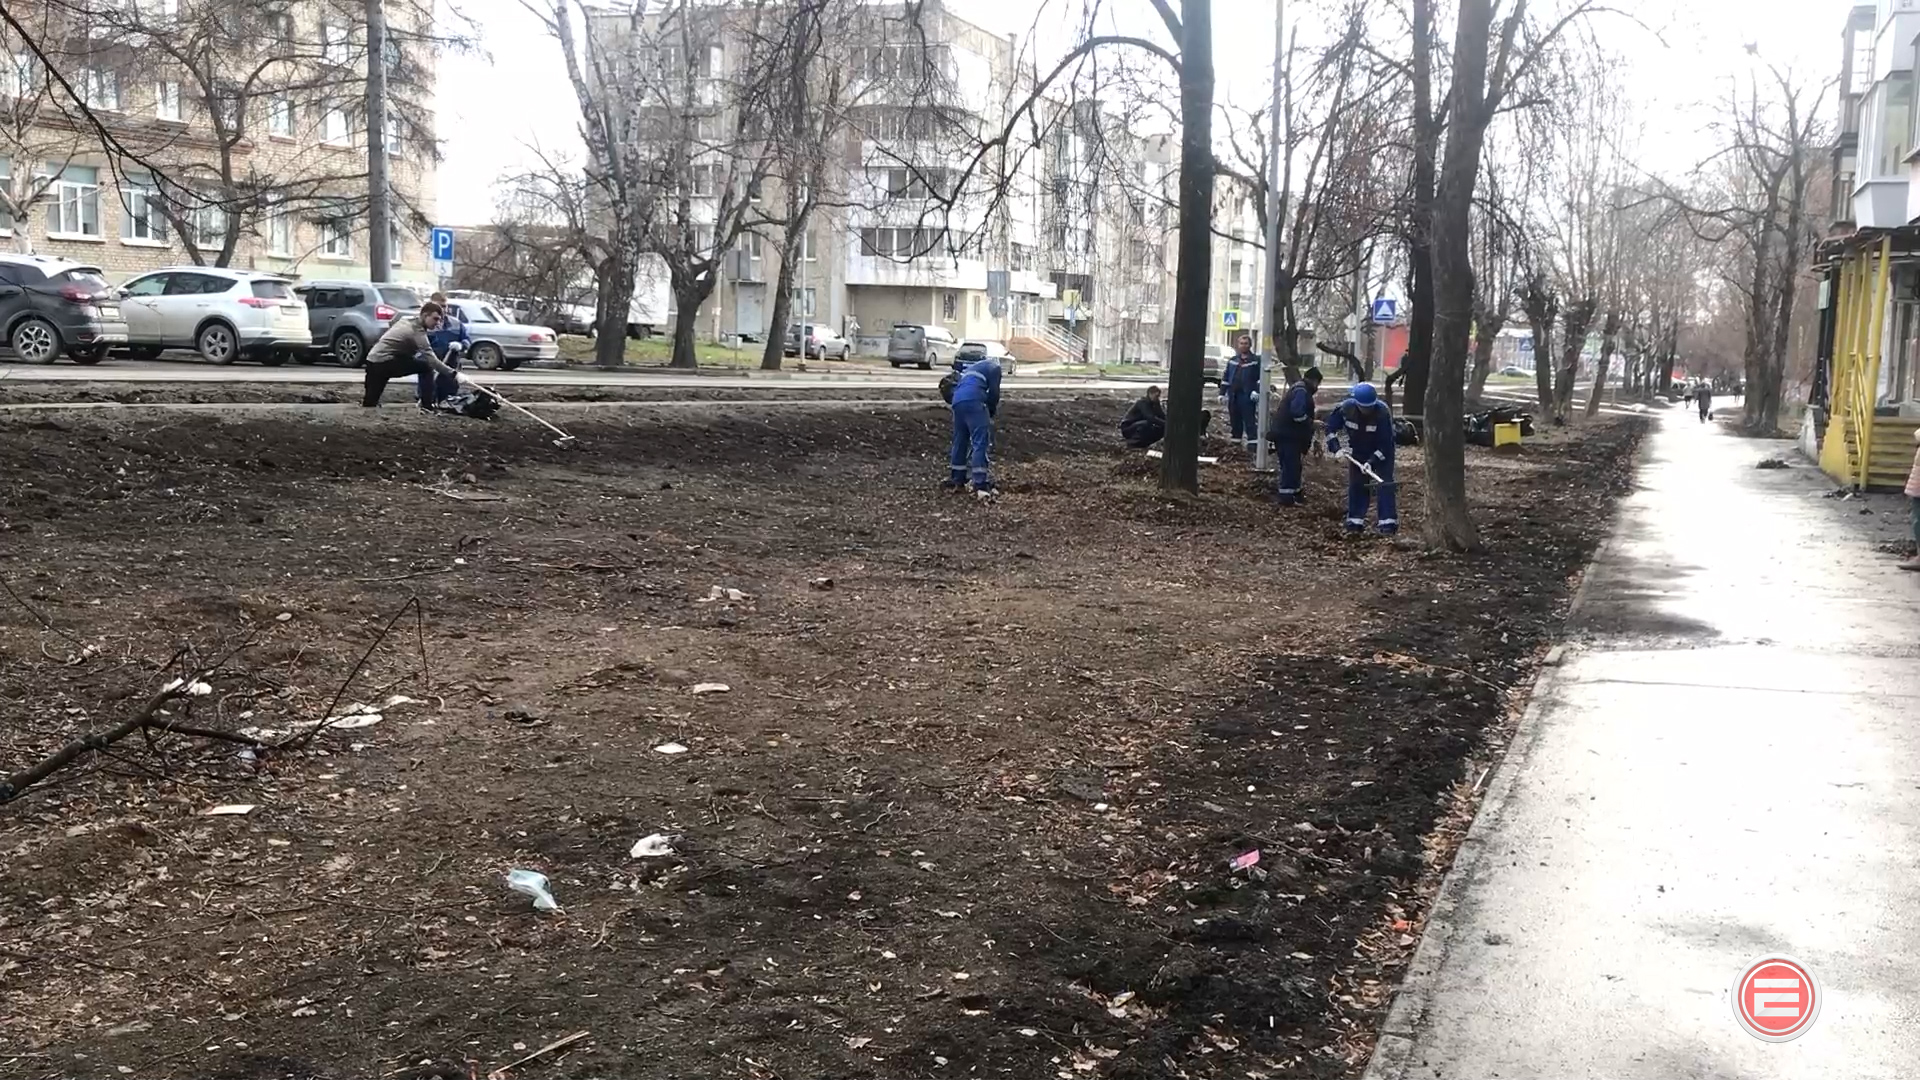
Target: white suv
x,y
223,314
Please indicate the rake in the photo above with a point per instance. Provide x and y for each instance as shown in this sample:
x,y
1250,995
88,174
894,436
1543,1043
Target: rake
x,y
564,442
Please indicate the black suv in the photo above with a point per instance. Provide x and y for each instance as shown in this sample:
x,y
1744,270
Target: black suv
x,y
49,306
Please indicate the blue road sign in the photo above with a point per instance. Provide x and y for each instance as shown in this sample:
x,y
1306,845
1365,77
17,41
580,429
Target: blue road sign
x,y
440,243
1385,311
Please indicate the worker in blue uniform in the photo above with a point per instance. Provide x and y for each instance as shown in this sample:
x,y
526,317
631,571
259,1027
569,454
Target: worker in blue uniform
x,y
1367,424
1293,435
976,401
450,342
1242,392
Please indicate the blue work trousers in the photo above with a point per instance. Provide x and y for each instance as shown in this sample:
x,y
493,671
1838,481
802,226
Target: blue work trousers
x,y
972,438
1358,492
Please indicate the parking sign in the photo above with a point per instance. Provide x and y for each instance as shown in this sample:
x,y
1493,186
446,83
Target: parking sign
x,y
440,243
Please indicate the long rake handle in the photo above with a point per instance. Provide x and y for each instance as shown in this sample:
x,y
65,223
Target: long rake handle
x,y
502,399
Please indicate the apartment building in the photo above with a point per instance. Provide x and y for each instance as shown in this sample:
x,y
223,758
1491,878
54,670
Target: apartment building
x,y
275,180
1062,248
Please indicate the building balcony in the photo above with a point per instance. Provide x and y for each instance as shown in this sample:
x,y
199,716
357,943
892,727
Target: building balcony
x,y
1881,203
931,272
1026,281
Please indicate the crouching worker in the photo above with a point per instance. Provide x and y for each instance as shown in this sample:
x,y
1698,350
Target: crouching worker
x,y
1145,423
1293,435
1367,422
976,400
404,350
450,341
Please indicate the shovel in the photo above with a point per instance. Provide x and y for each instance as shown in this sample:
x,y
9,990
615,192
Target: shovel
x,y
564,442
1365,469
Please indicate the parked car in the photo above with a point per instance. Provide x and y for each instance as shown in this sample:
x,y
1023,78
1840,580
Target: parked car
x,y
499,342
1212,361
223,314
1514,370
921,346
49,306
972,350
822,342
346,317
556,315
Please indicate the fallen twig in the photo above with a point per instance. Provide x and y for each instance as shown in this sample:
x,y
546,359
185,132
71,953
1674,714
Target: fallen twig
x,y
501,1072
408,577
18,783
328,718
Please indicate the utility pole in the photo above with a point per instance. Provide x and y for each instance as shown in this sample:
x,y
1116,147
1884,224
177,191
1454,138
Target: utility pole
x,y
1276,149
379,191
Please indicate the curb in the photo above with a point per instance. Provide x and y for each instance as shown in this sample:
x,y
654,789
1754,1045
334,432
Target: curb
x,y
1394,1046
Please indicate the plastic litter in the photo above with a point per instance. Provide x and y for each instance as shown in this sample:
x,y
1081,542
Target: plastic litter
x,y
712,688
534,884
652,847
669,748
229,810
1241,862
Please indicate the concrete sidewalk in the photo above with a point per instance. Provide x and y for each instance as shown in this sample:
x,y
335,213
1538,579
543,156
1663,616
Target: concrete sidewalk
x,y
1726,763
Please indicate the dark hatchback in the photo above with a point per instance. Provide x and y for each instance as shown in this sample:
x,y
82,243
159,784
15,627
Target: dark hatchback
x,y
51,306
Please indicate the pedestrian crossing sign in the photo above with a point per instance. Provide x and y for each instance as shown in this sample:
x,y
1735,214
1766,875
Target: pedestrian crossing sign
x,y
1230,319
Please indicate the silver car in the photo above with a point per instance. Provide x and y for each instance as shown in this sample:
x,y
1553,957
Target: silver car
x,y
223,314
348,316
499,343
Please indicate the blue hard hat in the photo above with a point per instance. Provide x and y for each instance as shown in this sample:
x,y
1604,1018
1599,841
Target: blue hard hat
x,y
1364,393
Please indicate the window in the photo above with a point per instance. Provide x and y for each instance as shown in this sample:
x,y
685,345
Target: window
x,y
396,150
280,118
335,128
803,303
976,305
896,243
280,230
917,183
280,30
6,182
395,235
101,88
166,101
704,179
807,254
333,43
151,285
336,242
227,103
73,202
209,222
141,220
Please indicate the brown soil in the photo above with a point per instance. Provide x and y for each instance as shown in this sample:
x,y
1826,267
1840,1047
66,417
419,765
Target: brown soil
x,y
966,812
400,394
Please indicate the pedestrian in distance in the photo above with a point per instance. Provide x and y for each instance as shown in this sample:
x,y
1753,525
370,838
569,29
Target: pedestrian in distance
x,y
1913,506
1367,423
1145,423
976,401
1293,435
405,349
1243,392
1704,397
451,341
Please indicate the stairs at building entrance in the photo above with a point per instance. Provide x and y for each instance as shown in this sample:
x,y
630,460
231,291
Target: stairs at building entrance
x,y
1046,345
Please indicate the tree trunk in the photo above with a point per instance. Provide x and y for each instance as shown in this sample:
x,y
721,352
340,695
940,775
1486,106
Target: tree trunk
x,y
1180,467
1487,330
776,349
1421,325
1573,341
1281,318
615,295
688,297
1449,522
1609,335
1542,308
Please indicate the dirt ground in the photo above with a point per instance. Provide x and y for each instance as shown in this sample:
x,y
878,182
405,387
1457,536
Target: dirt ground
x,y
966,807
401,393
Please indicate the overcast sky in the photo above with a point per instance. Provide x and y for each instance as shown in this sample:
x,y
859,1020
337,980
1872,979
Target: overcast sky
x,y
1679,59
